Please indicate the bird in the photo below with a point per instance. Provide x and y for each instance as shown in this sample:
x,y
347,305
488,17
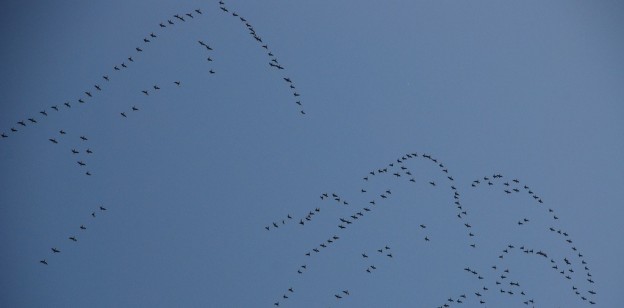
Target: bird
x,y
139,49
32,120
53,140
73,238
74,151
4,135
54,250
43,113
81,163
83,138
106,78
145,92
123,114
212,72
156,87
43,262
55,107
83,227
89,151
134,108
177,83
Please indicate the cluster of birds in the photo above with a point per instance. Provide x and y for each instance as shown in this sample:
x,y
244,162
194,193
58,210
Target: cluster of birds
x,y
62,136
399,170
500,280
382,251
273,62
567,271
72,238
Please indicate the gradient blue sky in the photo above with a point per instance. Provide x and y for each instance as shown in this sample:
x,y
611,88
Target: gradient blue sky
x,y
531,90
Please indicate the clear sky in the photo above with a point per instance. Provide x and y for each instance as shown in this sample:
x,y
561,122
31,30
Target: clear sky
x,y
191,179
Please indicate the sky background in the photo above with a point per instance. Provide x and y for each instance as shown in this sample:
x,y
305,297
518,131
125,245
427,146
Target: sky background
x,y
530,90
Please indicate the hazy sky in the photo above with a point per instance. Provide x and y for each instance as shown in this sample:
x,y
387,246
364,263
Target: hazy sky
x,y
190,180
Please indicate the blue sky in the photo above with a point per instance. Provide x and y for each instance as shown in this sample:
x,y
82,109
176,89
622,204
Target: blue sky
x,y
190,180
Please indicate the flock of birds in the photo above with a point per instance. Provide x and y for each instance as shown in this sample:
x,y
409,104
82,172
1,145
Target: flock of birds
x,y
125,64
497,280
81,153
78,150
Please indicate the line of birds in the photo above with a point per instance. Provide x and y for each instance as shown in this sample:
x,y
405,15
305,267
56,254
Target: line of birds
x,y
90,93
73,238
273,63
209,49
